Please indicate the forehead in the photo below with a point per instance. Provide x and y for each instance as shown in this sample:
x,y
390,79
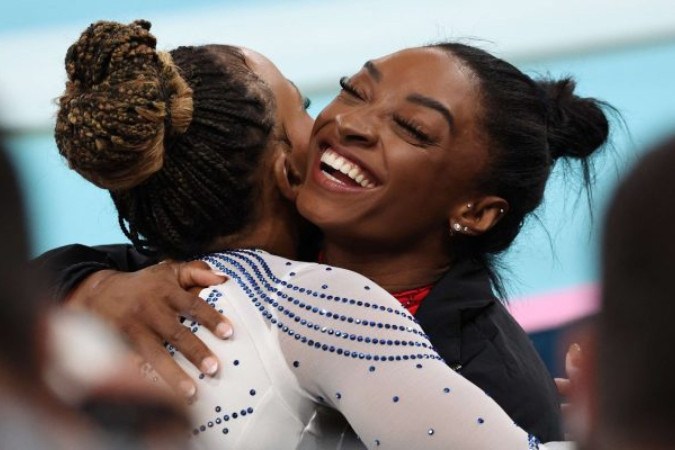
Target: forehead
x,y
428,71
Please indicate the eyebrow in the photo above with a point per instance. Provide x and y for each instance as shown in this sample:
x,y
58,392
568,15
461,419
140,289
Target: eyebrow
x,y
435,105
373,70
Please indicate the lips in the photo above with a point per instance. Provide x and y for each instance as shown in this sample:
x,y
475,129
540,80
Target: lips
x,y
344,170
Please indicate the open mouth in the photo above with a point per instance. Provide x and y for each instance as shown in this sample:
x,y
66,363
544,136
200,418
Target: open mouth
x,y
344,171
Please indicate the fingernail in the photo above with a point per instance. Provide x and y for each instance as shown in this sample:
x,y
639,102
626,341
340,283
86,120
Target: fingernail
x,y
219,273
575,353
209,365
224,330
188,388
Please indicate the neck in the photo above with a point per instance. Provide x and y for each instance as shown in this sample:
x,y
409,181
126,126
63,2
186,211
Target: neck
x,y
395,269
275,229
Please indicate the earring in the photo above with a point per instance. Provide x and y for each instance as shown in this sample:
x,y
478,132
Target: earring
x,y
501,211
469,205
457,227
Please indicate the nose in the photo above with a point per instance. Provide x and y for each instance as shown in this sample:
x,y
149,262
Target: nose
x,y
356,129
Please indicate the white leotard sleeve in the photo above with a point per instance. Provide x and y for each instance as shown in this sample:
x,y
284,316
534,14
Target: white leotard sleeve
x,y
353,347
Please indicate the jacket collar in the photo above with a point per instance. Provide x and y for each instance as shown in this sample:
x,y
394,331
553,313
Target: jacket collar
x,y
464,291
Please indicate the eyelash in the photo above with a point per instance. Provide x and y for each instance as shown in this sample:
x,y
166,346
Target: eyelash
x,y
307,102
351,90
412,128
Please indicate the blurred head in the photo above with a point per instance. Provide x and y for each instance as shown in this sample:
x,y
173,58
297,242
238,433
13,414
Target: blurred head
x,y
182,140
19,307
635,357
442,140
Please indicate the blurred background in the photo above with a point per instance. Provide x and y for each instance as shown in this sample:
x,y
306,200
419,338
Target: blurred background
x,y
620,51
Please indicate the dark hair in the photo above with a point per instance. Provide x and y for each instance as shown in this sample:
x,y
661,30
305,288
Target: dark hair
x,y
19,308
174,136
528,126
636,333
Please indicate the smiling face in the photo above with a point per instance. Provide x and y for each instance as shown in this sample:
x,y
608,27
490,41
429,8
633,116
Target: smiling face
x,y
397,152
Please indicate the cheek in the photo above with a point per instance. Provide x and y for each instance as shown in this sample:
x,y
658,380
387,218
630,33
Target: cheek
x,y
300,139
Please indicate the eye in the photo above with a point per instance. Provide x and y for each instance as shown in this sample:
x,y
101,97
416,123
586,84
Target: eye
x,y
350,89
306,102
413,129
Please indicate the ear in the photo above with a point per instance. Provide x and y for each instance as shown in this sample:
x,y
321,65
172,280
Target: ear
x,y
287,177
476,217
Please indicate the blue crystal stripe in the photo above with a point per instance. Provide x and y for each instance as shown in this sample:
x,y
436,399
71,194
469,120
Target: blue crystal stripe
x,y
213,258
245,280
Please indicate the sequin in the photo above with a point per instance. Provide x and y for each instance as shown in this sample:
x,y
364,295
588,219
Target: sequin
x,y
481,421
395,399
252,392
431,432
225,431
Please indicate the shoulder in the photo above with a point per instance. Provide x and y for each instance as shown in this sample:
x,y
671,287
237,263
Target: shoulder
x,y
305,277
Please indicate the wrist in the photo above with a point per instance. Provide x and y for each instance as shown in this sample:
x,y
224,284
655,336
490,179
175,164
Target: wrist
x,y
81,295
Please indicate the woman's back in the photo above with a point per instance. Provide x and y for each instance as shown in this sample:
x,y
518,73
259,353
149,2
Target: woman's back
x,y
314,336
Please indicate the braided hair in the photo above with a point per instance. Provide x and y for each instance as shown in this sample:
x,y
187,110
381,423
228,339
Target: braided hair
x,y
175,137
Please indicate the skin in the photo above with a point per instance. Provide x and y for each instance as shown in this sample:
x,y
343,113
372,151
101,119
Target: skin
x,y
409,119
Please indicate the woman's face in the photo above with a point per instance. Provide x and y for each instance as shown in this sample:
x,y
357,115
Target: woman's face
x,y
396,151
293,123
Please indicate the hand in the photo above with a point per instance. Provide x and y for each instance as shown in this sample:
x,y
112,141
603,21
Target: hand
x,y
146,307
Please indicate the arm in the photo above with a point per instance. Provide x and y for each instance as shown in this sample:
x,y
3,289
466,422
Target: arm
x,y
384,377
65,267
146,305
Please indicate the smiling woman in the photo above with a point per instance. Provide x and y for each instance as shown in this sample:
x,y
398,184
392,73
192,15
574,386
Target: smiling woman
x,y
315,336
444,151
420,171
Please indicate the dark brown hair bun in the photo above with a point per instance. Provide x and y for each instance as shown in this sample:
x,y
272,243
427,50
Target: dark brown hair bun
x,y
122,99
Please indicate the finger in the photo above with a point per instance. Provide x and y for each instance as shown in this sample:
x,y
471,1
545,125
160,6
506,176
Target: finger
x,y
197,309
564,386
151,348
183,339
573,361
198,273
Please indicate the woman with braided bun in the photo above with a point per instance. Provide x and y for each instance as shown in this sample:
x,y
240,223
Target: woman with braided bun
x,y
420,172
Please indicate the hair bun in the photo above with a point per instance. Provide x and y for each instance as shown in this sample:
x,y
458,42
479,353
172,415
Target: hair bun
x,y
111,120
577,126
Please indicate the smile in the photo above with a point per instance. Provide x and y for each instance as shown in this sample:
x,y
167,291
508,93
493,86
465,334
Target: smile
x,y
342,170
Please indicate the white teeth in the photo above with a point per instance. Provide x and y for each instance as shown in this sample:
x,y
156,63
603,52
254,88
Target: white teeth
x,y
349,168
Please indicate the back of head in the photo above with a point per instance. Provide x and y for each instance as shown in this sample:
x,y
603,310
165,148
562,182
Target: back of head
x,y
636,358
528,125
18,306
175,137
